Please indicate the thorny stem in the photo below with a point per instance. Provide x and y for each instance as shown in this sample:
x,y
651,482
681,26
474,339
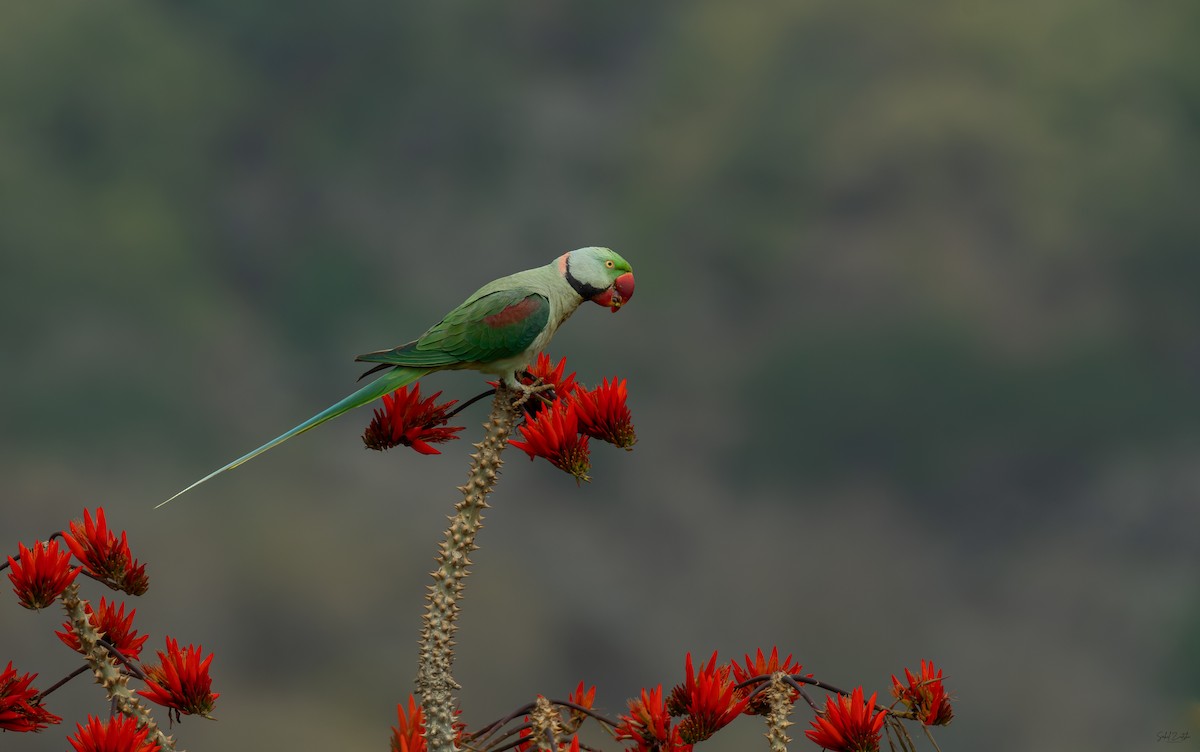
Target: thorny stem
x,y
779,698
130,665
434,682
547,725
107,674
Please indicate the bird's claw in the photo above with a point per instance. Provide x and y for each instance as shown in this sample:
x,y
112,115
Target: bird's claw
x,y
529,391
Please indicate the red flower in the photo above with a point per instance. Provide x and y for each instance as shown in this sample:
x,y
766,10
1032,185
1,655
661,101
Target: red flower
x,y
407,419
409,733
39,575
925,696
17,713
113,624
649,724
554,434
524,734
527,745
583,699
181,682
707,699
118,734
847,724
103,556
604,415
762,666
543,373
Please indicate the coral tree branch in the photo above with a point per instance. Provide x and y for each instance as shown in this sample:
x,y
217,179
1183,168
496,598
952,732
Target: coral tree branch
x,y
546,725
115,683
434,681
779,698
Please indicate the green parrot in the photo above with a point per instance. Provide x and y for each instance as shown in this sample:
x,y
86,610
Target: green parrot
x,y
499,330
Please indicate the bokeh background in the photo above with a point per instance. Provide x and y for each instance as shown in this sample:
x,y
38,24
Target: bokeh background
x,y
913,357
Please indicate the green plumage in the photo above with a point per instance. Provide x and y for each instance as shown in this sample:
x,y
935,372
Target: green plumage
x,y
486,328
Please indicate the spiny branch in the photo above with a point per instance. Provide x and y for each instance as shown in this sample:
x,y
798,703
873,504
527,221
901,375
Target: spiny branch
x,y
434,681
100,660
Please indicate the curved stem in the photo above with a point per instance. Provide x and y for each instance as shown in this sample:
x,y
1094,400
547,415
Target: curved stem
x,y
797,679
602,718
468,403
496,725
58,684
130,664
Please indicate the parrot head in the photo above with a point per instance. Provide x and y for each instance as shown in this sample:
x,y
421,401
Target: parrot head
x,y
599,275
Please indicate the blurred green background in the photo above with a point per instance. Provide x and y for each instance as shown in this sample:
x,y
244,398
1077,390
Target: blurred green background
x,y
913,358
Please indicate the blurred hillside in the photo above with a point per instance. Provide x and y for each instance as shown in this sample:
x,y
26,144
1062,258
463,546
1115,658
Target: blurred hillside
x,y
913,358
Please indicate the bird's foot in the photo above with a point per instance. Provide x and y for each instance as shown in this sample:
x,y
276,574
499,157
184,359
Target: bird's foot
x,y
530,391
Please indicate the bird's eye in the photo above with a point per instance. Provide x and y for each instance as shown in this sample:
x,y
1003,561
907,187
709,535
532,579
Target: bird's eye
x,y
609,264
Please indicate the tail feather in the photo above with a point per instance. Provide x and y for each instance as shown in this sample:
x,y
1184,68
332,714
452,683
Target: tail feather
x,y
389,382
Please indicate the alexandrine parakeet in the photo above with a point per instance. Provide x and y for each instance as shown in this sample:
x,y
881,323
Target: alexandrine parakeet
x,y
499,330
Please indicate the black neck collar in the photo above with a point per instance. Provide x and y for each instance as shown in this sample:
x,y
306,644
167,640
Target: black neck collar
x,y
586,291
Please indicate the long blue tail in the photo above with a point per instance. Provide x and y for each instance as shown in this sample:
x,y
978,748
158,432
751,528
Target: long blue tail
x,y
386,383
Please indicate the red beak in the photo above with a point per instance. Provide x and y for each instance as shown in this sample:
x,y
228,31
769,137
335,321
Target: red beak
x,y
617,295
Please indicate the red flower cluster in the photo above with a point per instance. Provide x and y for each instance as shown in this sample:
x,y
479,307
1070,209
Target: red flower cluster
x,y
603,414
925,696
118,734
707,699
104,556
583,699
181,681
559,432
409,733
848,725
527,745
39,575
407,419
763,666
111,622
18,712
553,433
648,724
574,720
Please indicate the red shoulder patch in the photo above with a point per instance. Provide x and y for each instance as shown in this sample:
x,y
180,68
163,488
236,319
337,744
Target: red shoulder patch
x,y
513,314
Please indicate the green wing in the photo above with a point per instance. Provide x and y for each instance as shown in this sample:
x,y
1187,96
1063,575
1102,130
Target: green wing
x,y
487,328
